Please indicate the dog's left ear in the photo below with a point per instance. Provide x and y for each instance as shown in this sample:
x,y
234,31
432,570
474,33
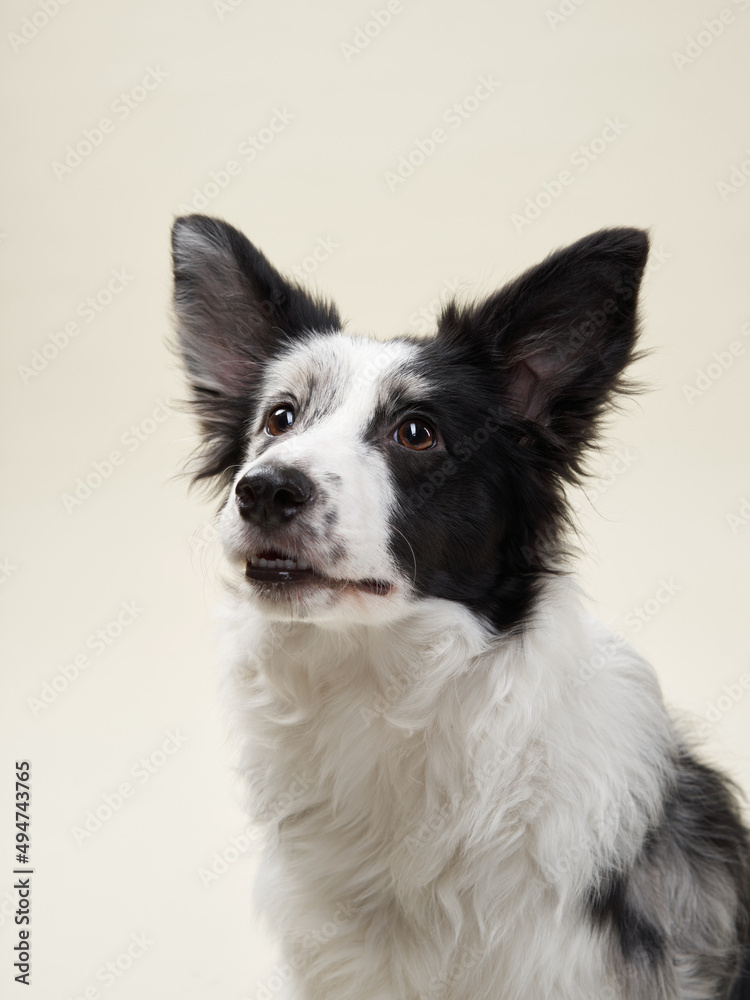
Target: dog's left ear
x,y
234,313
560,335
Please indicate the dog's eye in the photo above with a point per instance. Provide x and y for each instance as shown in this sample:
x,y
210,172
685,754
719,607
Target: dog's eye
x,y
416,434
279,420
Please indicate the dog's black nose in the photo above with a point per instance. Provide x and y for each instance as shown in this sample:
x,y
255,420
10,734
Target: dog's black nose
x,y
271,495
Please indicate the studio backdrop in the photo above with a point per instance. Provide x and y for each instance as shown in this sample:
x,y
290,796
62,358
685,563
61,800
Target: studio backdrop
x,y
393,155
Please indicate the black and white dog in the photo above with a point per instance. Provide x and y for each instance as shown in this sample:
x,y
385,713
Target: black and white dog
x,y
464,798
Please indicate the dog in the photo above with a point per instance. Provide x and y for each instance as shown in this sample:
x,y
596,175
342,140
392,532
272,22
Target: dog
x,y
470,789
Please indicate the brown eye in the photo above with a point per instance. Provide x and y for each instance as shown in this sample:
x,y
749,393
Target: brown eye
x,y
416,434
279,420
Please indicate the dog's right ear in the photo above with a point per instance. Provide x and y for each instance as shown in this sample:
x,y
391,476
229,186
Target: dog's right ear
x,y
234,313
560,338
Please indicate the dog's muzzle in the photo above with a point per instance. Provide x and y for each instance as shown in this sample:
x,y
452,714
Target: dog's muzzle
x,y
269,497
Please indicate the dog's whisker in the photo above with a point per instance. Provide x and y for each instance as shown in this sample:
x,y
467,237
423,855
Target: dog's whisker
x,y
413,556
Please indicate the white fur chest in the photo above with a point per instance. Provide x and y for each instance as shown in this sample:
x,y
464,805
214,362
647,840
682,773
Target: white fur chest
x,y
436,806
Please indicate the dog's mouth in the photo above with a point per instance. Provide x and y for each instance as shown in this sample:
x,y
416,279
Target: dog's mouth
x,y
280,569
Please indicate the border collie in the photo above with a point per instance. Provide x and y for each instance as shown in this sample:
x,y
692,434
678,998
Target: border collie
x,y
471,790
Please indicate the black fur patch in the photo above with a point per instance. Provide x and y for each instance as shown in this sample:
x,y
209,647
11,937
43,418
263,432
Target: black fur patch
x,y
741,985
517,387
703,821
466,520
612,910
701,842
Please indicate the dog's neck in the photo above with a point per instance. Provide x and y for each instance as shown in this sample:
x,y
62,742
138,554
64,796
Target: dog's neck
x,y
393,738
435,679
307,663
392,733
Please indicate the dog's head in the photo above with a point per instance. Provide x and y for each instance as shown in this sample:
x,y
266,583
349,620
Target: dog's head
x,y
364,475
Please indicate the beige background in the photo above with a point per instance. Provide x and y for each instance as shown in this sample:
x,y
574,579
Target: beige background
x,y
221,73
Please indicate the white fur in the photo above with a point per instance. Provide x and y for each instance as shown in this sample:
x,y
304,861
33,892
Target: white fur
x,y
452,794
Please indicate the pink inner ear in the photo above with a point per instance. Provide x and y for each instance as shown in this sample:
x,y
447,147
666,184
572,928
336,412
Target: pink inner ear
x,y
526,389
236,374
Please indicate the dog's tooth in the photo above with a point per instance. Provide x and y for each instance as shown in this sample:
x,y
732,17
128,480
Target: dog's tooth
x,y
279,563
